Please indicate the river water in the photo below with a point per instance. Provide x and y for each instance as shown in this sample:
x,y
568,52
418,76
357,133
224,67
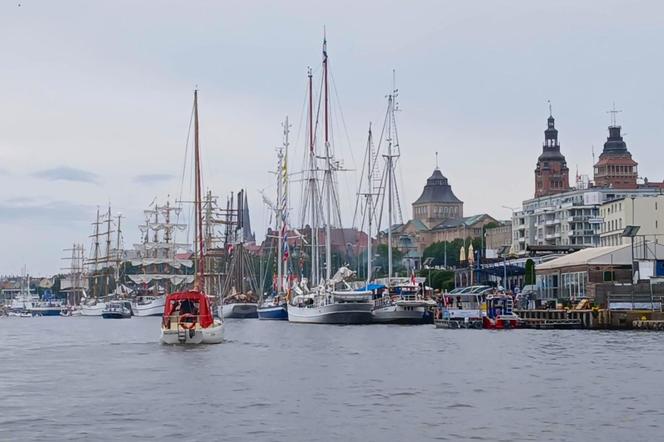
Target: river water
x,y
95,379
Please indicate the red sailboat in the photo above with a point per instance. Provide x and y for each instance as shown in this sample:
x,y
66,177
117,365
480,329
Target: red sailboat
x,y
187,315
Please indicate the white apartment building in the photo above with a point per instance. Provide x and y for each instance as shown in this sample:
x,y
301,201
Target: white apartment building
x,y
647,212
568,218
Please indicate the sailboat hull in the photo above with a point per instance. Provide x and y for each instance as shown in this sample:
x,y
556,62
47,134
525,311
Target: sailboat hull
x,y
400,314
240,310
93,310
341,313
274,313
152,308
213,334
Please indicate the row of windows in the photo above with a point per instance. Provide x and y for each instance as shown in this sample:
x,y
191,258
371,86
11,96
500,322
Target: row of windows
x,y
615,169
437,211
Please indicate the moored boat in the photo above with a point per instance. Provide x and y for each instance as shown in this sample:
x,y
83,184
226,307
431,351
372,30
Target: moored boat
x,y
239,310
149,306
463,310
273,308
117,310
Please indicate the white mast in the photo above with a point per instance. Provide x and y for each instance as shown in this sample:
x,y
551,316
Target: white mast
x,y
282,205
313,189
391,123
328,183
369,205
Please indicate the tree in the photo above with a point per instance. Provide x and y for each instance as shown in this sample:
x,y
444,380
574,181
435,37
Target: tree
x,y
380,260
529,278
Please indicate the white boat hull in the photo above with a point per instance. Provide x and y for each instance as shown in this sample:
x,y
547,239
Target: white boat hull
x,y
153,308
213,334
341,313
239,310
398,313
93,310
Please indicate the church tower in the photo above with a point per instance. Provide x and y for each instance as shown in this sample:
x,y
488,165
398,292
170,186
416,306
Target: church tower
x,y
615,167
551,173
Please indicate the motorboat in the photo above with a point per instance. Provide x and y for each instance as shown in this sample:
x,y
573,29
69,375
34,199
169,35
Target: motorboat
x,y
117,310
93,308
499,314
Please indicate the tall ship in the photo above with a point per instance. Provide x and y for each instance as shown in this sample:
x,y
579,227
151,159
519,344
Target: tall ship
x,y
329,300
158,264
187,316
240,290
103,264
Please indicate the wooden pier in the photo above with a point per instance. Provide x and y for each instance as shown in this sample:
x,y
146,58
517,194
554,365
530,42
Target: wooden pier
x,y
551,319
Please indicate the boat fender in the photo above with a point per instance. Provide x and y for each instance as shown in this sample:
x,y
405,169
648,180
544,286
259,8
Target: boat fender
x,y
187,325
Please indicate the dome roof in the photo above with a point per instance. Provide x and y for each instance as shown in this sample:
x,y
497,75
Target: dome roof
x,y
437,190
614,142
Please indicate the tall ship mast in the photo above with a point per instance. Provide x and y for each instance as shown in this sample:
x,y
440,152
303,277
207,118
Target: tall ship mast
x,y
332,300
275,307
402,300
158,264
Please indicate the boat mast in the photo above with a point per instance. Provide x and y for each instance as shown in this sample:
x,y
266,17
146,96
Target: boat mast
x,y
313,188
328,172
390,177
95,278
199,283
369,205
107,258
282,206
118,253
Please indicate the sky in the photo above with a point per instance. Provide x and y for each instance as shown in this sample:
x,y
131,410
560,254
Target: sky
x,y
96,97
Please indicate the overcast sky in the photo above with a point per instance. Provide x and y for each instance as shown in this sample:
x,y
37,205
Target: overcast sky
x,y
95,99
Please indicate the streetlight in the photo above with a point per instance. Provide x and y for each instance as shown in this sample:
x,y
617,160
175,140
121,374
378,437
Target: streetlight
x,y
630,232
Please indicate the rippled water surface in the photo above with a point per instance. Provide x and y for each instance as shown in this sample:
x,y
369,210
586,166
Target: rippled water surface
x,y
95,379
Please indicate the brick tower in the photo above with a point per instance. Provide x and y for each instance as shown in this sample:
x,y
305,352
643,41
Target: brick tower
x,y
551,173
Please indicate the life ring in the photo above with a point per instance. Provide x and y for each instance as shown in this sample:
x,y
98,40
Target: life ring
x,y
187,325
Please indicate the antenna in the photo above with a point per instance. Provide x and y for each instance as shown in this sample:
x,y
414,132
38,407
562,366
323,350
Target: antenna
x,y
613,113
550,110
592,149
436,160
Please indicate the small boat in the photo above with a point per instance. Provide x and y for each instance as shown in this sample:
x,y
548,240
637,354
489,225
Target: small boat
x,y
188,319
499,314
273,308
117,310
461,311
